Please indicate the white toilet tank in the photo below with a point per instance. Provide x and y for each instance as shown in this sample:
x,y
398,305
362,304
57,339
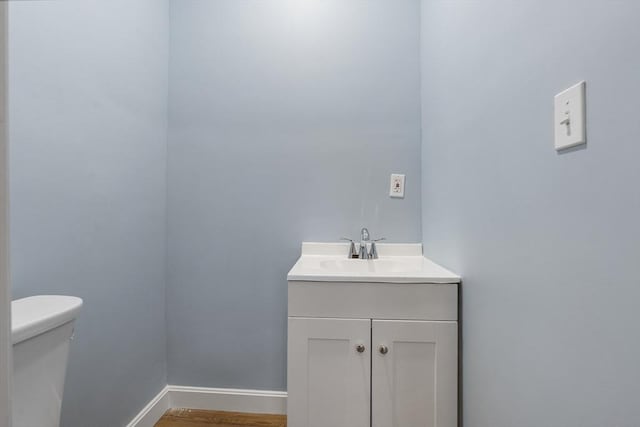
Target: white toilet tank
x,y
41,328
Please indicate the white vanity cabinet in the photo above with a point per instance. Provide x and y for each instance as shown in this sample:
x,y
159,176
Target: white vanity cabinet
x,y
369,347
381,373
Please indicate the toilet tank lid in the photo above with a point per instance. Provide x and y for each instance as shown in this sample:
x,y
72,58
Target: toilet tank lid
x,y
36,315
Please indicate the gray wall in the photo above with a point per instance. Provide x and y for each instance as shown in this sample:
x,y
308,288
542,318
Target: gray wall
x,y
286,119
548,243
88,108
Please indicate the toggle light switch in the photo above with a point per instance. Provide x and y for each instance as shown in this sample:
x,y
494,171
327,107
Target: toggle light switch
x,y
569,117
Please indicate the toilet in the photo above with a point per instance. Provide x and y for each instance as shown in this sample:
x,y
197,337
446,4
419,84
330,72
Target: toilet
x,y
41,330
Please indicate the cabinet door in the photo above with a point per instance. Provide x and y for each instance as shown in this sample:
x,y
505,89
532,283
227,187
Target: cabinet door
x,y
329,377
414,374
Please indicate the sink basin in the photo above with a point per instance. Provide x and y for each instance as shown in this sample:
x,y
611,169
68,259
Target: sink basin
x,y
376,266
398,263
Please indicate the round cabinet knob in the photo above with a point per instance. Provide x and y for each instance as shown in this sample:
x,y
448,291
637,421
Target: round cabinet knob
x,y
360,348
383,349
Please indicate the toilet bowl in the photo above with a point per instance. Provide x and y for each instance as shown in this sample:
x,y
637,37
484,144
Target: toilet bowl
x,y
41,329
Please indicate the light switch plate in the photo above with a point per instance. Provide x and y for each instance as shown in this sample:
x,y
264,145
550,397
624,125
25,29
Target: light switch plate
x,y
397,186
570,122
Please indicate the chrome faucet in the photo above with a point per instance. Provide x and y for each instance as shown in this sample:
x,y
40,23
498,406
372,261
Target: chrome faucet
x,y
364,239
364,252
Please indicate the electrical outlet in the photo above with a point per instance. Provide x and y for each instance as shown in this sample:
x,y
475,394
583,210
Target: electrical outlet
x,y
397,186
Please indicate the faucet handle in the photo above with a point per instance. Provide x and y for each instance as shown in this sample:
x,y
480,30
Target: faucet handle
x,y
373,253
353,252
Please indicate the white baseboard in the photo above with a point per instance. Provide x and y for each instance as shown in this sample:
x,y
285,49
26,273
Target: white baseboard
x,y
154,410
227,399
214,399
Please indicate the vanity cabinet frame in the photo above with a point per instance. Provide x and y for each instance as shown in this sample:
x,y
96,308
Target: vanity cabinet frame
x,y
405,376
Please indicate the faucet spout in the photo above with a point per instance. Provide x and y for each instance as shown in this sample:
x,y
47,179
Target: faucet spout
x,y
364,238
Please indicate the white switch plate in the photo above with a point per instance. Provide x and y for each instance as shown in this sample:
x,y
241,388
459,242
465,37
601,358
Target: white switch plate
x,y
397,186
570,122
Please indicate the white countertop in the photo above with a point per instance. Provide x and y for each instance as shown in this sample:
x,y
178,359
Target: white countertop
x,y
397,263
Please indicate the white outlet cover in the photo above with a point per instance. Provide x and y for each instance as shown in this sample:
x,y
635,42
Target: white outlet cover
x,y
570,124
396,189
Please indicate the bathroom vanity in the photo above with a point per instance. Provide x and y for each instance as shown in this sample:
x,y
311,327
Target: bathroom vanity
x,y
372,342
